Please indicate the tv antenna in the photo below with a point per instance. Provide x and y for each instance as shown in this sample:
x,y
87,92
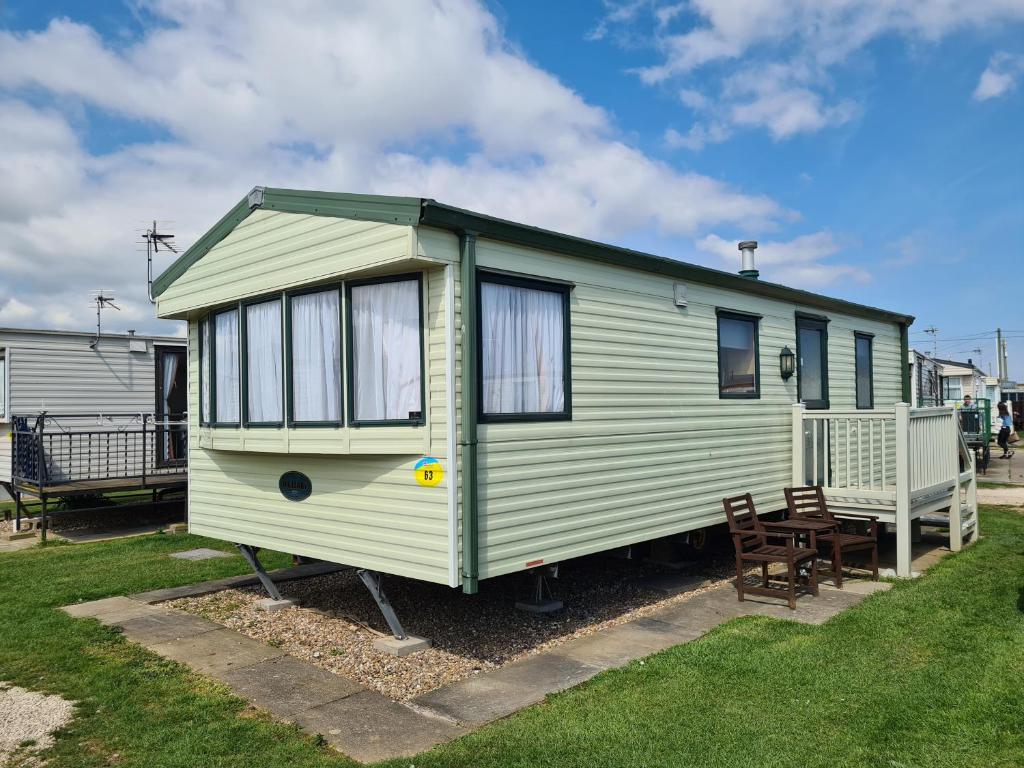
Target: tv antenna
x,y
154,239
102,299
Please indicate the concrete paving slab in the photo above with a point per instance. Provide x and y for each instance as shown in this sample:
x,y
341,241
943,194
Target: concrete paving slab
x,y
617,646
216,653
369,727
286,685
496,694
203,553
163,627
270,605
109,609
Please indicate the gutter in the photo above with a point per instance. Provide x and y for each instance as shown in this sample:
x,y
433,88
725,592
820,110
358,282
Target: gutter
x,y
470,404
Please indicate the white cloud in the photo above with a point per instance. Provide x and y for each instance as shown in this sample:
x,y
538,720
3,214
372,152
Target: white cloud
x,y
786,52
697,137
390,97
999,77
800,261
14,312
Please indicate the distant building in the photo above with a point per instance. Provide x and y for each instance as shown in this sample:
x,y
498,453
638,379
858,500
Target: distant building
x,y
925,380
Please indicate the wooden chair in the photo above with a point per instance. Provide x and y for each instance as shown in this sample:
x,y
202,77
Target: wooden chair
x,y
752,546
809,502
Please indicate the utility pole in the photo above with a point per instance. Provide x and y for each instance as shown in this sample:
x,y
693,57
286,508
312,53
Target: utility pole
x,y
1001,354
933,332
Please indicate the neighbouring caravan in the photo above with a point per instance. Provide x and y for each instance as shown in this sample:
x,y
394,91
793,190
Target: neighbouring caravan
x,y
415,389
78,380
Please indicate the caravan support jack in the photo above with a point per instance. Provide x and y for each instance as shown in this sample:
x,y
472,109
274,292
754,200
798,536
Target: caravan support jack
x,y
374,583
251,555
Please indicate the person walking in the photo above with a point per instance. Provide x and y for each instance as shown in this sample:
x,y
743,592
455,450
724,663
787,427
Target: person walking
x,y
1005,428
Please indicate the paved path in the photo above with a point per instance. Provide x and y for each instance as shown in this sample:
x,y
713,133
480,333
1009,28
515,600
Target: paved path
x,y
370,727
1012,496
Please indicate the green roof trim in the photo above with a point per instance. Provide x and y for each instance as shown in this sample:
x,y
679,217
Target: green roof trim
x,y
413,211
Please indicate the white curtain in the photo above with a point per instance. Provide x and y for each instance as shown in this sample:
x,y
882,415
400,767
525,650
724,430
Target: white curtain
x,y
316,357
523,346
170,370
204,364
386,351
226,365
263,361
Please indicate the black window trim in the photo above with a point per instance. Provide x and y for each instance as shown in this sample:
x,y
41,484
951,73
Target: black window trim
x,y
870,339
732,314
212,316
204,422
243,320
539,284
290,421
350,358
818,322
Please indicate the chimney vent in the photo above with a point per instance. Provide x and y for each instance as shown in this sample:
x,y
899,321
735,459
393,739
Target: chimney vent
x,y
747,266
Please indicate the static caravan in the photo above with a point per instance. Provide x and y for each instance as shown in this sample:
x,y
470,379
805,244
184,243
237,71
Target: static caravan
x,y
69,382
411,388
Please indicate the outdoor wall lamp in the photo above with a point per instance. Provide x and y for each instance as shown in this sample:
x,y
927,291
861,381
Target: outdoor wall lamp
x,y
787,363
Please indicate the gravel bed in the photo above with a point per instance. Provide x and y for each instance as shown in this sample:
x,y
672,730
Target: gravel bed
x,y
338,621
30,720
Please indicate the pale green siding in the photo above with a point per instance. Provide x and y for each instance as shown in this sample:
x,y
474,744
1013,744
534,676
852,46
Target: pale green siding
x,y
271,251
366,509
651,449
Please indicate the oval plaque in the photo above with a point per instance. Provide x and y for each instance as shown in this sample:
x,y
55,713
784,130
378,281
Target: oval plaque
x,y
295,486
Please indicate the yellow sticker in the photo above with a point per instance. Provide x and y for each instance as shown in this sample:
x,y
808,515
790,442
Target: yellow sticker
x,y
429,472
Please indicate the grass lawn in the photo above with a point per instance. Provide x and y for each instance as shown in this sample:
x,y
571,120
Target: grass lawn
x,y
930,673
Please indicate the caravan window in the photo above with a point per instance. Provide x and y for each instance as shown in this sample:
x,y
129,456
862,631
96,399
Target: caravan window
x,y
524,350
225,367
264,359
738,370
315,342
205,370
864,370
385,351
812,361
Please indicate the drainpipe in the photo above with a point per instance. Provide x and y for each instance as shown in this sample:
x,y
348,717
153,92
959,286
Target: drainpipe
x,y
905,365
467,250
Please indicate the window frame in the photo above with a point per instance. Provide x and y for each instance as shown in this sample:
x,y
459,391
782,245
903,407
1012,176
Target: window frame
x,y
203,422
243,351
816,322
349,358
214,418
859,336
564,290
5,394
290,421
732,314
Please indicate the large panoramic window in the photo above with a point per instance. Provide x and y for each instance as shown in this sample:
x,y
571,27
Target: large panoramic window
x,y
524,350
263,360
386,375
864,374
225,366
315,357
812,361
737,355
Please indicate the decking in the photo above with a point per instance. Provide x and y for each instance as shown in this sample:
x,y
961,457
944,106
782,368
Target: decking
x,y
901,464
58,456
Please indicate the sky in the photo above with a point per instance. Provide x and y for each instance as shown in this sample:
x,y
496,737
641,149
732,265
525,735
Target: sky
x,y
872,147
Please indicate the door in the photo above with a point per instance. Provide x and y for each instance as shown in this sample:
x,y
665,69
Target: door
x,y
171,404
812,391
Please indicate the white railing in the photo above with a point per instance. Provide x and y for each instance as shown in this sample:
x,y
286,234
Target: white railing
x,y
901,462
